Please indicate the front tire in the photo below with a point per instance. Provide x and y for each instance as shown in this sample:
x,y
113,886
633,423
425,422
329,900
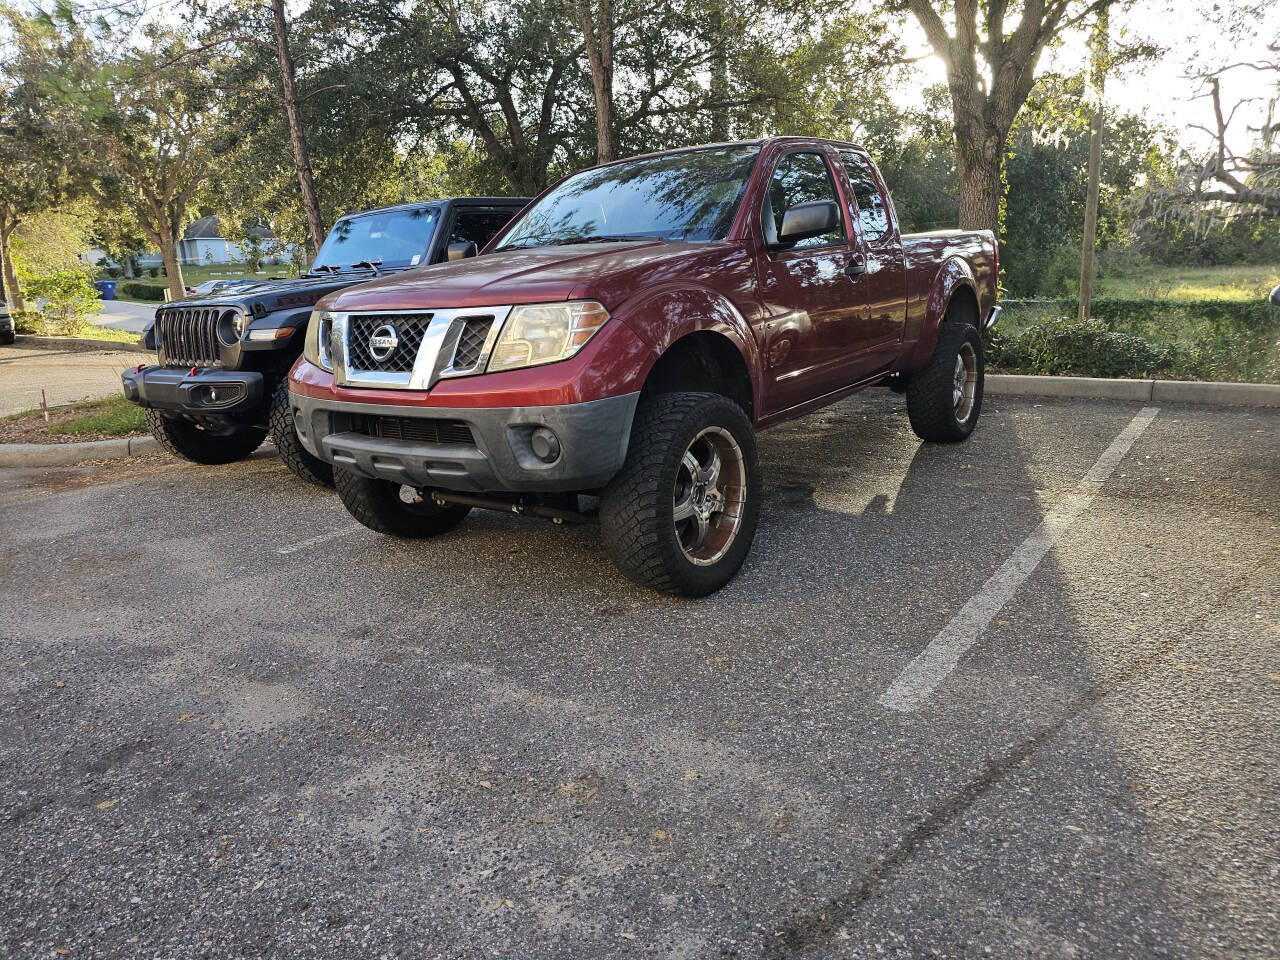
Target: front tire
x,y
193,442
394,509
301,462
944,399
681,514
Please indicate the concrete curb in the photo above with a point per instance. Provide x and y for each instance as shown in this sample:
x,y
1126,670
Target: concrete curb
x,y
1163,391
62,454
77,343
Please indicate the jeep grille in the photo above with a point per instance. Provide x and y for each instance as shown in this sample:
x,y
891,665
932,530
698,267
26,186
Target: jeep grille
x,y
188,336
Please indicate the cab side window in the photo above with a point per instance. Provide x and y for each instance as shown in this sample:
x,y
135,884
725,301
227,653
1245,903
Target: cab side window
x,y
799,178
872,212
478,226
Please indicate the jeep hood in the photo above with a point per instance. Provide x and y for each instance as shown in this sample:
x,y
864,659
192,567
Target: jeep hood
x,y
608,272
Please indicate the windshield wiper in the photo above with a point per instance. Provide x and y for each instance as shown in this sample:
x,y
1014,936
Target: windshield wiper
x,y
370,264
567,241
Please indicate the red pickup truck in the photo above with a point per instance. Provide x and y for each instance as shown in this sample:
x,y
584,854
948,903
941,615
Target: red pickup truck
x,y
625,336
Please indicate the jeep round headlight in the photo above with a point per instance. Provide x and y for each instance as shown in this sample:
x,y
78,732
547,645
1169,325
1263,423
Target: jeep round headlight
x,y
230,327
315,348
539,333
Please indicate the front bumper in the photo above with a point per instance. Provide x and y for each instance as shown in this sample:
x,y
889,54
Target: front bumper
x,y
208,391
480,450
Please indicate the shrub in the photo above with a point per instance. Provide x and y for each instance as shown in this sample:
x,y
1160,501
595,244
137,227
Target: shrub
x,y
28,321
1085,348
153,272
70,299
142,291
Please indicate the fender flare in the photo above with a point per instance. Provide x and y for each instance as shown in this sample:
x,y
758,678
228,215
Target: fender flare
x,y
665,314
954,274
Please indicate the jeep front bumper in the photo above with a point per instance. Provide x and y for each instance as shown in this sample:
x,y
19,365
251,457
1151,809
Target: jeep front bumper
x,y
209,391
483,450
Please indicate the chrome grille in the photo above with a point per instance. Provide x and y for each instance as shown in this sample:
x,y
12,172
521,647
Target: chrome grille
x,y
410,329
475,330
188,336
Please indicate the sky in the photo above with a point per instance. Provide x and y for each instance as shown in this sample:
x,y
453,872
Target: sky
x,y
1162,90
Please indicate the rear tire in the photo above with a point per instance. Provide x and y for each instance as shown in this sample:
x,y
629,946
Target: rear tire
x,y
944,399
7,338
189,441
380,506
681,513
301,462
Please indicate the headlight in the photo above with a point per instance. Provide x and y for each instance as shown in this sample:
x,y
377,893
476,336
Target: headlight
x,y
316,346
545,332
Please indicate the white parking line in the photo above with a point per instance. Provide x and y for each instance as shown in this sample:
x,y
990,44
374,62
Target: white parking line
x,y
323,538
922,675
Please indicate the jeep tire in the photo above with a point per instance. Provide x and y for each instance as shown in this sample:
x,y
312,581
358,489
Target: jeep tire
x,y
300,461
944,399
394,509
207,445
681,513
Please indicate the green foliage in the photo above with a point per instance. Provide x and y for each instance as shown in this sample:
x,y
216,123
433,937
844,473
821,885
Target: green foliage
x,y
112,417
1198,340
1241,240
70,300
136,290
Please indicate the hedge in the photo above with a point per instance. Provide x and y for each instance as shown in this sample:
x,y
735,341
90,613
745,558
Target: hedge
x,y
142,291
1196,340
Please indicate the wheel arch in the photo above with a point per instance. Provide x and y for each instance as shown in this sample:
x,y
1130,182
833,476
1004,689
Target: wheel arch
x,y
953,296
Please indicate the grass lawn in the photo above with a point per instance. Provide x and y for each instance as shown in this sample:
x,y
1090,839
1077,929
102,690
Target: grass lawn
x,y
94,332
1187,283
199,273
87,420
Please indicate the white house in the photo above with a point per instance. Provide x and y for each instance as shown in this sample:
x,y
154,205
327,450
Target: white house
x,y
202,242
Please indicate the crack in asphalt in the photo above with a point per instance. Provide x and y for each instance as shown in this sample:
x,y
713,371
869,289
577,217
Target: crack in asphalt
x,y
817,928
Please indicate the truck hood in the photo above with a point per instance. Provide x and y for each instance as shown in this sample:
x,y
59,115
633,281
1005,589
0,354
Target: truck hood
x,y
276,293
608,272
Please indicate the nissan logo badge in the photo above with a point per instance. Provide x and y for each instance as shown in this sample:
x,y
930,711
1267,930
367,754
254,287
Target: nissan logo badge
x,y
383,343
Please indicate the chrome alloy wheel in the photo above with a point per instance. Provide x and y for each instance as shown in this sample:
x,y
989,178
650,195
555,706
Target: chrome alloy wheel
x,y
964,383
710,495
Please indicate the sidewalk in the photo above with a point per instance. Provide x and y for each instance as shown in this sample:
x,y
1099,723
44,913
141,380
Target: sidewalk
x,y
64,375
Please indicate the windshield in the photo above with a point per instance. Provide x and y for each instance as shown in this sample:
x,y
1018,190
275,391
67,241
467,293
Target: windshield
x,y
677,196
393,238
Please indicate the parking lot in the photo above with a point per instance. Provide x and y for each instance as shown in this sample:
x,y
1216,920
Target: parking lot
x,y
1018,697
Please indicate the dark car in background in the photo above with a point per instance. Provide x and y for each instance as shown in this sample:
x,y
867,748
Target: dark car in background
x,y
218,386
6,326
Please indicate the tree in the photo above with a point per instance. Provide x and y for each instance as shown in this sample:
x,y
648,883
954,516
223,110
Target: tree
x,y
1098,77
158,130
297,137
596,19
990,73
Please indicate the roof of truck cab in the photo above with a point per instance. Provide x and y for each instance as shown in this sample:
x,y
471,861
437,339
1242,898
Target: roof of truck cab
x,y
761,143
444,201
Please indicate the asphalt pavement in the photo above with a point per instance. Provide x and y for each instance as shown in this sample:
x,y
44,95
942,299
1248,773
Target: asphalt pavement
x,y
125,314
234,724
64,376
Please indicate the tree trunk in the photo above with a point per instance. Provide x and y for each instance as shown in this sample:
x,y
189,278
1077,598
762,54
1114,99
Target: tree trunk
x,y
301,159
1095,167
6,268
719,74
980,171
598,39
172,266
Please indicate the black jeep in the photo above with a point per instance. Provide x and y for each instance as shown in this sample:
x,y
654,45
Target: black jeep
x,y
220,385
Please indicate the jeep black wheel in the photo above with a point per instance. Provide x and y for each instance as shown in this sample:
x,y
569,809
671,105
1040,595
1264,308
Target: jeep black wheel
x,y
200,444
300,461
944,399
393,508
681,513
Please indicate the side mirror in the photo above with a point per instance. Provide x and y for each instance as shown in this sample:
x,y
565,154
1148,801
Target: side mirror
x,y
1275,295
807,220
460,251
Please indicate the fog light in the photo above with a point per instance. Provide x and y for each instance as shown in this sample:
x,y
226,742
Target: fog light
x,y
545,445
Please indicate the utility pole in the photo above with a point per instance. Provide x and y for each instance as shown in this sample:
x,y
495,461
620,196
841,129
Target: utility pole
x,y
1098,79
301,161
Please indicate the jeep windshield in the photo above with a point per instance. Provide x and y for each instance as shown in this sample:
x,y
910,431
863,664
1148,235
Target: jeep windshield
x,y
687,196
387,240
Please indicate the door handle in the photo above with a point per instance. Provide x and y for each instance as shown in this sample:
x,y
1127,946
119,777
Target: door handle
x,y
855,269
